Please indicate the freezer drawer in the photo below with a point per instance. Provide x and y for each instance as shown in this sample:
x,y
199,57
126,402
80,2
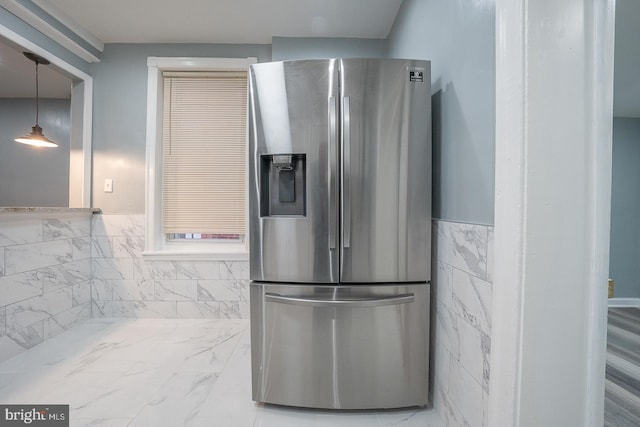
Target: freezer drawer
x,y
340,347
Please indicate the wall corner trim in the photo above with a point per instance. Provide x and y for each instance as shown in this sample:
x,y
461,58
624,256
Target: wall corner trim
x,y
530,384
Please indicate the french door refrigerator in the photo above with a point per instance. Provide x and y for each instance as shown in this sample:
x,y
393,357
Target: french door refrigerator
x,y
340,232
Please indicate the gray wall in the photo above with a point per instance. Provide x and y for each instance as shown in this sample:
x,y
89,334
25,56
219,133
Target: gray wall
x,y
624,260
120,115
458,38
626,90
34,176
289,48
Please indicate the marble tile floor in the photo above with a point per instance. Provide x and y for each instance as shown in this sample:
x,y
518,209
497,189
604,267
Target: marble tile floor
x,y
157,372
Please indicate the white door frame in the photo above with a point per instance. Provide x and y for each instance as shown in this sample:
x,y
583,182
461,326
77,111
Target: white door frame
x,y
81,121
554,97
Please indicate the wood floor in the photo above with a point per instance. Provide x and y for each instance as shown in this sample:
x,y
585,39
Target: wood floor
x,y
622,395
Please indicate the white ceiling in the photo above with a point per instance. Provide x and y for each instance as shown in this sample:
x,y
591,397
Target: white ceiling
x,y
229,21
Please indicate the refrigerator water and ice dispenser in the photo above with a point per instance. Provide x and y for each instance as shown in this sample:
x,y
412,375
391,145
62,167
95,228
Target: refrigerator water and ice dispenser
x,y
283,185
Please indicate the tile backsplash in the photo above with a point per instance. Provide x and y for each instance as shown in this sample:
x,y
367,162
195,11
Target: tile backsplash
x,y
461,335
57,272
127,285
45,278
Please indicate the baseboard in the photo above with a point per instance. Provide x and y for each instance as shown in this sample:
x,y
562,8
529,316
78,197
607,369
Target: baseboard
x,y
624,302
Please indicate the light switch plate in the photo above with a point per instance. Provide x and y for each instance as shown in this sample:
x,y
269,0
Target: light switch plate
x,y
108,185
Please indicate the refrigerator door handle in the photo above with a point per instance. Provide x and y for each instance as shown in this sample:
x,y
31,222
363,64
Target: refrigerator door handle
x,y
319,302
346,170
332,165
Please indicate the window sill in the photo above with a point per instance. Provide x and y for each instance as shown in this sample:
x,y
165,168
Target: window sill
x,y
185,255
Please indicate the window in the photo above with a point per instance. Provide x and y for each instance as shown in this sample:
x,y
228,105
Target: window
x,y
203,155
196,158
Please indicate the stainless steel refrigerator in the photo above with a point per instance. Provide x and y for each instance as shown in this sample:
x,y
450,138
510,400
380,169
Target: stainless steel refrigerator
x,y
340,232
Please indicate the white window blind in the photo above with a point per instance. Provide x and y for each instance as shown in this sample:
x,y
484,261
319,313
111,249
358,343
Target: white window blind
x,y
204,151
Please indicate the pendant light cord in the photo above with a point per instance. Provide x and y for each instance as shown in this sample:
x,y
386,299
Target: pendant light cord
x,y
36,93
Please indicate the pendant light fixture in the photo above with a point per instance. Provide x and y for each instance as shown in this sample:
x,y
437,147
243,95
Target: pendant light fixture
x,y
36,138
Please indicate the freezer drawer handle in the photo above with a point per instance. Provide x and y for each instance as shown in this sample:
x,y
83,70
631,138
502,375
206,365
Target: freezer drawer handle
x,y
318,302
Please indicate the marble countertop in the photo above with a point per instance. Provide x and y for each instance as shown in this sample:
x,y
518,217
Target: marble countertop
x,y
47,211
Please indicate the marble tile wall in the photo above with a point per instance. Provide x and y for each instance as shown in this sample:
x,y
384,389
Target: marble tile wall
x,y
45,278
461,331
127,285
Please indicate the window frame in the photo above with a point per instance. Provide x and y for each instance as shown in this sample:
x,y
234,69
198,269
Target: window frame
x,y
157,246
